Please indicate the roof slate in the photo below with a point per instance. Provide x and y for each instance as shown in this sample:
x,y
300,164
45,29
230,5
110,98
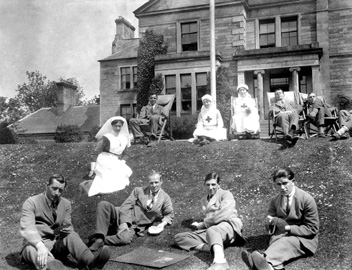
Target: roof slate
x,y
126,48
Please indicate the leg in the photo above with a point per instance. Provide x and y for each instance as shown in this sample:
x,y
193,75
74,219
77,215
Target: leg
x,y
190,240
134,124
106,217
319,120
284,250
29,255
154,124
123,238
282,120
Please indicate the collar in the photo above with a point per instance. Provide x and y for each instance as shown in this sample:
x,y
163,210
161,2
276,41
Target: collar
x,y
292,193
50,203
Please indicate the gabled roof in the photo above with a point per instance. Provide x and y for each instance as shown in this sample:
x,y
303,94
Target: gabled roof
x,y
45,120
126,48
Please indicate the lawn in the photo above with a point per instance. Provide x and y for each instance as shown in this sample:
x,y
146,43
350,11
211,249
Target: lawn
x,y
322,168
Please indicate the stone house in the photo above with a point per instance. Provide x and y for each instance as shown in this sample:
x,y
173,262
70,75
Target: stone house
x,y
291,44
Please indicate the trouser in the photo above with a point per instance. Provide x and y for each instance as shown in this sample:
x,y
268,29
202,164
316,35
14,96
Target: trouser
x,y
107,223
287,121
71,244
219,234
319,118
345,119
283,250
153,123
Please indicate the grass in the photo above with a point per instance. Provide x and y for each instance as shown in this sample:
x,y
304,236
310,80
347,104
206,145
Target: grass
x,y
322,168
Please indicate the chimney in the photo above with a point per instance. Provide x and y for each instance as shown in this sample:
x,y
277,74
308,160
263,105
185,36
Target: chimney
x,y
124,30
66,96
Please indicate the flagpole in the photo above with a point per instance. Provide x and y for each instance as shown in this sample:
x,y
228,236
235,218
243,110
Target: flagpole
x,y
212,50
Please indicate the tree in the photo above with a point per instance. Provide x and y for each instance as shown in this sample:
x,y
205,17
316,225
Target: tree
x,y
157,84
150,46
93,101
11,110
38,92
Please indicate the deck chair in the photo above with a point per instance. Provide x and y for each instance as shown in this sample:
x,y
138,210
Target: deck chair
x,y
331,123
233,133
166,101
273,129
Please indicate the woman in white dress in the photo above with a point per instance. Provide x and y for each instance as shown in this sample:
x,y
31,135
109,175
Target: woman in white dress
x,y
111,172
210,125
245,117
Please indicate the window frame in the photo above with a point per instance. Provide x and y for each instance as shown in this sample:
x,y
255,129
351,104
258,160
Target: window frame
x,y
179,44
131,77
285,20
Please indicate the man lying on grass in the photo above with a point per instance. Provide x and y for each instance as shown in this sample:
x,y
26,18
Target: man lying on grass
x,y
221,225
292,222
137,213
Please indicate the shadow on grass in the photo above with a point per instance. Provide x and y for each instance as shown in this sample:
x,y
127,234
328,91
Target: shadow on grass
x,y
14,260
258,242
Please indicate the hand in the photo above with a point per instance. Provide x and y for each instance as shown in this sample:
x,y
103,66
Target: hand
x,y
248,110
194,225
65,230
42,254
122,227
280,224
91,173
161,225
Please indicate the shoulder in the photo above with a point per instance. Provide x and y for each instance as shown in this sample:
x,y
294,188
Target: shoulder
x,y
65,201
34,199
164,194
225,193
303,195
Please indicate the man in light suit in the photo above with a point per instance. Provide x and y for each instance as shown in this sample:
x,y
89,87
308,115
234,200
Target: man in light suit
x,y
48,233
138,212
286,115
221,225
292,222
151,114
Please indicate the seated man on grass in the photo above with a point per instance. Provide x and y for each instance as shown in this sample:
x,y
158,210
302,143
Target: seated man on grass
x,y
221,225
292,222
286,116
118,225
151,114
345,120
48,233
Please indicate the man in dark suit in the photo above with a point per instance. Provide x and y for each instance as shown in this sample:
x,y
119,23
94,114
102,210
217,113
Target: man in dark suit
x,y
316,112
292,222
48,233
151,114
286,115
137,213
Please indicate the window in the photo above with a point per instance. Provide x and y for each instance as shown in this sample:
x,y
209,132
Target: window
x,y
128,111
279,82
125,78
189,36
201,87
303,84
170,88
186,92
267,33
289,35
135,74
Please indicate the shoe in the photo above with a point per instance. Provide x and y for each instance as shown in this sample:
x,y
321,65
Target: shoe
x,y
336,136
203,142
98,243
196,141
219,266
101,257
260,262
321,135
56,265
294,141
247,259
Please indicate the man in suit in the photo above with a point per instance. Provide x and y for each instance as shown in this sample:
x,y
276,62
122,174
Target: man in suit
x,y
345,120
151,114
316,112
48,233
292,222
286,115
138,212
220,227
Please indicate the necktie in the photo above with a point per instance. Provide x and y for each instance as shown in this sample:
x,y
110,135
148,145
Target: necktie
x,y
152,201
287,204
54,210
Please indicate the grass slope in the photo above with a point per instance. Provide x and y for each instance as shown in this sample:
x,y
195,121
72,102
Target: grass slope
x,y
322,168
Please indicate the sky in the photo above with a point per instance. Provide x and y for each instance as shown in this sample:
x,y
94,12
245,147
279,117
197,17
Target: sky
x,y
59,38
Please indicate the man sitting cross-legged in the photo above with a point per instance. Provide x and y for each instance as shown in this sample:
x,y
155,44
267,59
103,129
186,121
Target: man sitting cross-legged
x,y
220,226
48,233
292,222
286,115
137,213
